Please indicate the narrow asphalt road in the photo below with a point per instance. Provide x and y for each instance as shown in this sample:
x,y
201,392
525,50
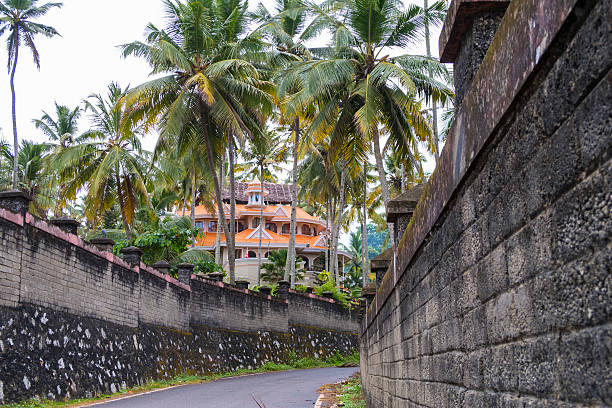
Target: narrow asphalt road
x,y
284,389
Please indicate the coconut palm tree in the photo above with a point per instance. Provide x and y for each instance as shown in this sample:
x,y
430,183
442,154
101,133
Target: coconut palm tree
x,y
32,177
210,81
362,91
283,31
16,18
108,163
62,129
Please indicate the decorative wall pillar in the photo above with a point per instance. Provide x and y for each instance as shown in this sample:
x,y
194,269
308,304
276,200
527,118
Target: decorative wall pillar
x,y
468,30
283,289
162,266
184,273
15,201
132,255
66,224
103,244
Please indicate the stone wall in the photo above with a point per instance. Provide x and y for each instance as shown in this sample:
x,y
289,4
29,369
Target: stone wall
x,y
76,321
501,293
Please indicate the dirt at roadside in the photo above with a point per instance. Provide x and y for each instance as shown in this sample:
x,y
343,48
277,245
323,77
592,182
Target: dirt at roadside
x,y
330,393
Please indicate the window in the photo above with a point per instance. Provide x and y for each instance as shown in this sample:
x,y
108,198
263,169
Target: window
x,y
255,222
252,254
201,225
271,226
266,254
240,226
285,229
212,226
305,230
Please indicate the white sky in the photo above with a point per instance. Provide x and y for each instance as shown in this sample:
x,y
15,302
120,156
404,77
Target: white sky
x,y
86,58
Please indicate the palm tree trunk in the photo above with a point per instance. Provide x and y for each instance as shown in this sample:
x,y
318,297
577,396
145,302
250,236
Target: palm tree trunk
x,y
232,227
126,225
332,265
435,109
193,200
261,220
211,168
15,139
327,238
338,225
382,178
290,264
218,259
364,230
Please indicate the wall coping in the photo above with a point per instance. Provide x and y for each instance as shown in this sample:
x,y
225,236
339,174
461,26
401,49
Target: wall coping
x,y
312,296
235,289
524,35
78,242
164,277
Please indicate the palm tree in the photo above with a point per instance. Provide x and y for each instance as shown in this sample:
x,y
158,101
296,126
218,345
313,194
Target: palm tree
x,y
283,30
109,161
360,89
62,129
211,82
32,177
16,17
265,154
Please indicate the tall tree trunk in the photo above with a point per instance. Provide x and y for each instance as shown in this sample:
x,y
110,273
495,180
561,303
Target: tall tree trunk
x,y
232,227
126,225
332,264
211,167
383,179
290,264
435,109
364,230
193,199
339,223
15,139
218,259
261,220
327,237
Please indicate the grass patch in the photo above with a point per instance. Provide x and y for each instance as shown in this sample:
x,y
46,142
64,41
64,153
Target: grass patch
x,y
351,393
293,363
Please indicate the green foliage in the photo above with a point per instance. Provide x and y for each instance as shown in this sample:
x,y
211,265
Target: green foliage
x,y
301,288
351,394
168,241
330,286
274,269
205,267
378,241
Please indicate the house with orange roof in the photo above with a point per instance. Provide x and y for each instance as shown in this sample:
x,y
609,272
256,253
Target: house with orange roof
x,y
310,240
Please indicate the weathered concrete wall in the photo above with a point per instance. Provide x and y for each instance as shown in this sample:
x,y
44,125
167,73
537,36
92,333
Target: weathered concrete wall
x,y
502,293
75,321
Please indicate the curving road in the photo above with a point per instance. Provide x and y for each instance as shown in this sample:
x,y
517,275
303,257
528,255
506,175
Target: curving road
x,y
284,389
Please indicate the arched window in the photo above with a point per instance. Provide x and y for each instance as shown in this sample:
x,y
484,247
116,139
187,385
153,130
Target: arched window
x,y
305,230
285,229
255,222
271,226
266,254
252,254
212,226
